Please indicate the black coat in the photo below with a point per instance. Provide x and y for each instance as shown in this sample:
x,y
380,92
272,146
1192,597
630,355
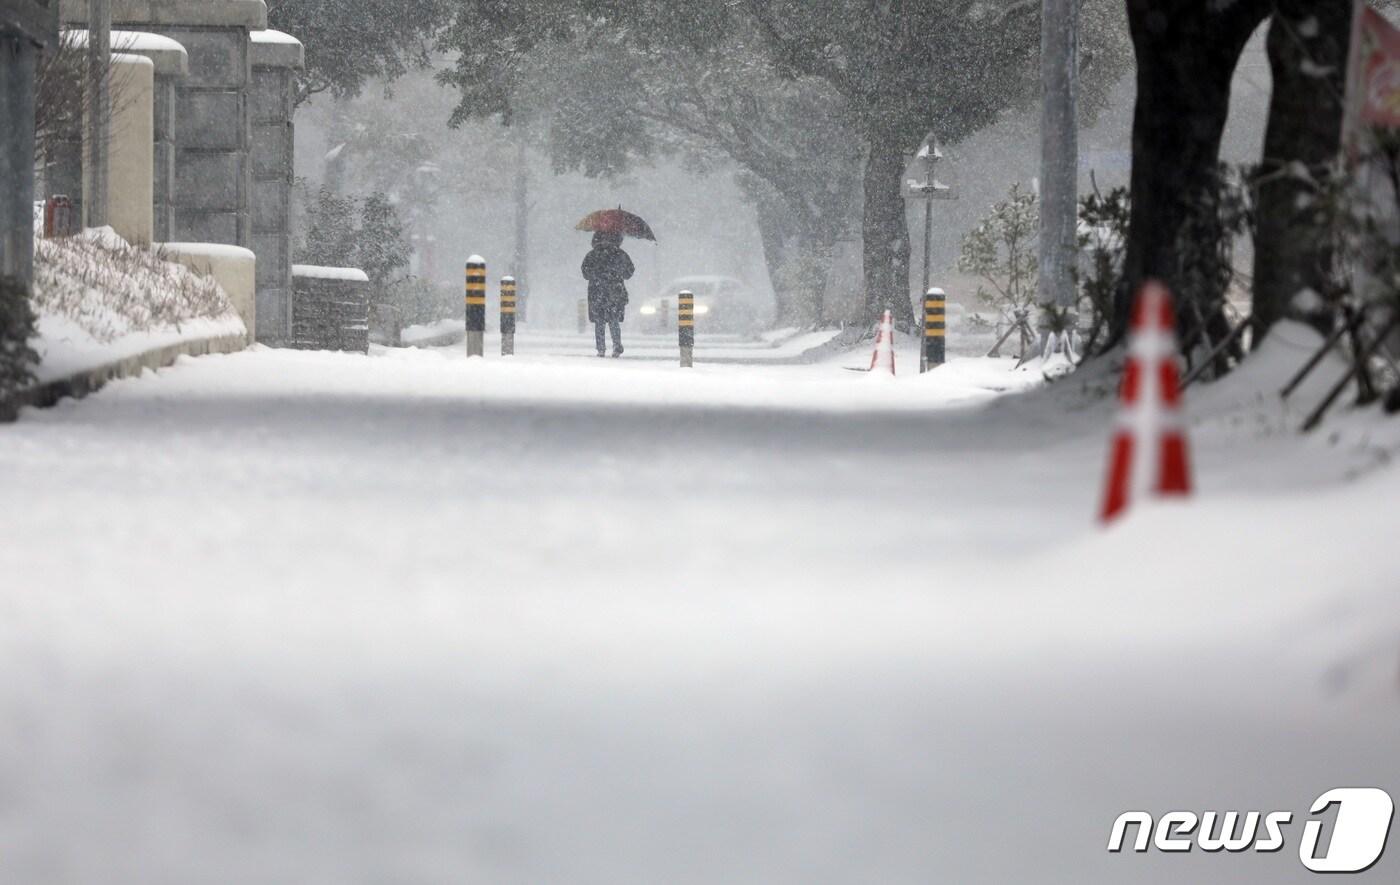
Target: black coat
x,y
606,268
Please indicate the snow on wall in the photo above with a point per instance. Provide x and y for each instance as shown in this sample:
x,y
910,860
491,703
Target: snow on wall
x,y
212,250
274,36
353,274
131,41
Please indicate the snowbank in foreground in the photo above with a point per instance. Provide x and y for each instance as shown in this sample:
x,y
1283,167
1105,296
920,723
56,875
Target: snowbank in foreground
x,y
99,299
308,617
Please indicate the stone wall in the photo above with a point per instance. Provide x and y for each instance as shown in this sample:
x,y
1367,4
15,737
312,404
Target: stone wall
x,y
330,308
211,198
232,267
276,57
63,175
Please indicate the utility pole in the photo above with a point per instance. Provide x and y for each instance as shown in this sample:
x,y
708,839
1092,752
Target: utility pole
x,y
1059,158
520,266
26,26
98,92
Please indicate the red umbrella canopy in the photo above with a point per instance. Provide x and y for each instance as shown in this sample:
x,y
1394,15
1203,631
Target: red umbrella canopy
x,y
617,221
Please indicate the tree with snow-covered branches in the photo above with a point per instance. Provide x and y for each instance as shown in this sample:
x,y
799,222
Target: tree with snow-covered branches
x,y
1001,252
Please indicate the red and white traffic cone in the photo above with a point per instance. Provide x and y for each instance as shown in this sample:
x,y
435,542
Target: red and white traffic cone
x,y
1148,455
883,358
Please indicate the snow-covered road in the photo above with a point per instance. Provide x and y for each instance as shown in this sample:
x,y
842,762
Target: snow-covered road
x,y
307,617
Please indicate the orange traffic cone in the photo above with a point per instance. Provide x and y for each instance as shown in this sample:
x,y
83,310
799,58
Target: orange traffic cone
x,y
1149,453
883,358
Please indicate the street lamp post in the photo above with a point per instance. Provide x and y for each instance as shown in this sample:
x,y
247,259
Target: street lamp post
x,y
928,190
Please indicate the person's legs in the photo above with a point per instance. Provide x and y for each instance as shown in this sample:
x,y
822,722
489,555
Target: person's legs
x,y
598,334
616,327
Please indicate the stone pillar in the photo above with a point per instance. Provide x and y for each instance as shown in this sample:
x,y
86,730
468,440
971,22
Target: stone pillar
x,y
129,151
211,201
276,57
63,174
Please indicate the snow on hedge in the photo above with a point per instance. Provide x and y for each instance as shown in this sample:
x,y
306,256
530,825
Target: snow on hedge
x,y
98,298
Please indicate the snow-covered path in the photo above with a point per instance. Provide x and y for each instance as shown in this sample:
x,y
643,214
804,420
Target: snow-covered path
x,y
308,617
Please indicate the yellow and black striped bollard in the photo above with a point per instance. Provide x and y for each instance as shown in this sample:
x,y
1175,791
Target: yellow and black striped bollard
x,y
935,329
507,316
476,306
685,322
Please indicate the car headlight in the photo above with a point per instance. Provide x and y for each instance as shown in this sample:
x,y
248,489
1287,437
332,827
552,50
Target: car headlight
x,y
701,309
648,310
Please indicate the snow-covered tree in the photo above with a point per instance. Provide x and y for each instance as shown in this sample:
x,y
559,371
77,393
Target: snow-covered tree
x,y
382,249
885,74
330,233
353,232
1186,54
904,68
350,42
1001,253
607,96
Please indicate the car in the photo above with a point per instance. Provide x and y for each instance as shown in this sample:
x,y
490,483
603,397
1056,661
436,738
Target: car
x,y
722,304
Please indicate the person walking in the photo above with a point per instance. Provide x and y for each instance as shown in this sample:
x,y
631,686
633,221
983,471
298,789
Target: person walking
x,y
607,268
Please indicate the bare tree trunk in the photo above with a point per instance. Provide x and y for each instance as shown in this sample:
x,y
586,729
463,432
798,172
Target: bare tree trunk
x,y
1186,55
885,232
1308,55
773,234
821,251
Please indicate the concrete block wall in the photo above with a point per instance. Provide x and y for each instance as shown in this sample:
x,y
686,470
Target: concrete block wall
x,y
232,267
213,184
209,198
331,308
276,57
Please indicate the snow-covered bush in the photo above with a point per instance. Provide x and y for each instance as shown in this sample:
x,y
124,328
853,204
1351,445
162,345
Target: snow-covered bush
x,y
1360,206
362,232
1218,215
111,289
420,301
16,327
1358,202
1103,239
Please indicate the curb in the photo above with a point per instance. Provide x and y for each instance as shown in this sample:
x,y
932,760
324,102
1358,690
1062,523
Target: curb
x,y
80,384
445,340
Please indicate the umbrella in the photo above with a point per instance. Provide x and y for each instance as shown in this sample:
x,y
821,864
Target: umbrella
x,y
616,221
